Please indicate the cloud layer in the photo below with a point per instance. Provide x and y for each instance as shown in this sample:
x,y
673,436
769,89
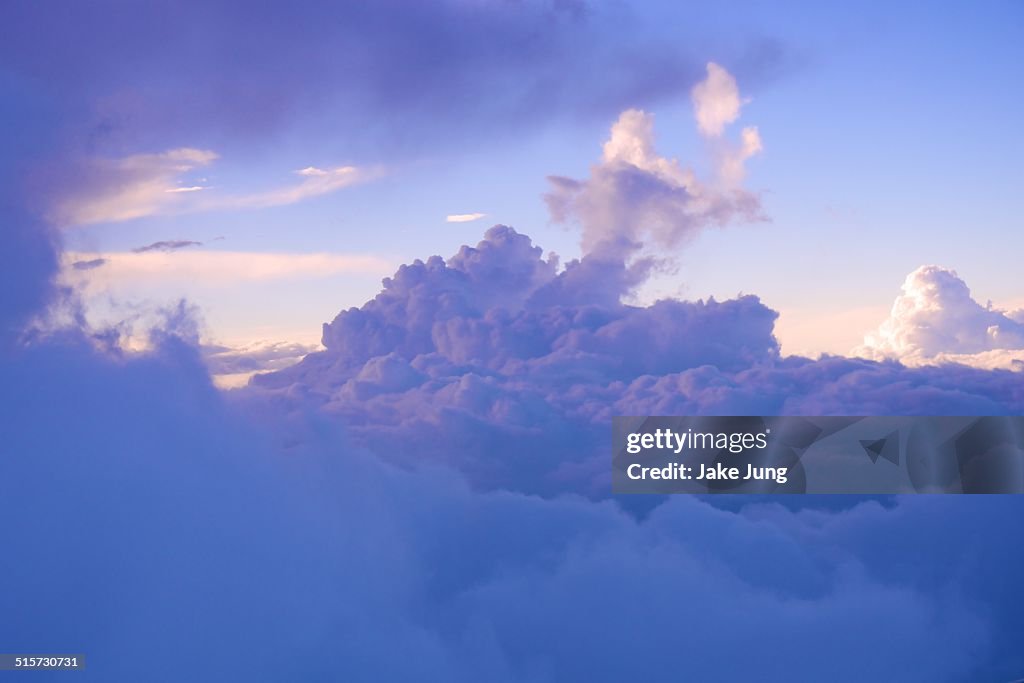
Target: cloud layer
x,y
254,542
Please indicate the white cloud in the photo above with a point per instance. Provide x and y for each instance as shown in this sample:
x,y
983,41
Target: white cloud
x,y
464,217
936,320
716,101
316,182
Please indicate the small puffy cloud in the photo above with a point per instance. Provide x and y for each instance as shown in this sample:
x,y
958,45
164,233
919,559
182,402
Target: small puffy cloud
x,y
716,101
464,217
935,319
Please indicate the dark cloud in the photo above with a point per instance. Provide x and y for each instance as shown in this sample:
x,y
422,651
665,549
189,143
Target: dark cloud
x,y
400,72
88,265
167,245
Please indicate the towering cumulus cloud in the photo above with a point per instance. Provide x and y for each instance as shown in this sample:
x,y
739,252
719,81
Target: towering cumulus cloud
x,y
936,320
634,195
503,365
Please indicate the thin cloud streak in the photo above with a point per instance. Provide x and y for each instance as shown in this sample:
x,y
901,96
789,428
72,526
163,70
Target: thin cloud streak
x,y
464,217
137,186
215,267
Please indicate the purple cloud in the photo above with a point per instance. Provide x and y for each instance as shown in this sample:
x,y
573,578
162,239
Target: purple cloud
x,y
499,363
636,196
254,542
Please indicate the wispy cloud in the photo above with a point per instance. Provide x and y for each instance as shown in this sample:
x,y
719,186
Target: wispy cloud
x,y
315,182
167,245
213,267
88,265
142,185
464,217
108,190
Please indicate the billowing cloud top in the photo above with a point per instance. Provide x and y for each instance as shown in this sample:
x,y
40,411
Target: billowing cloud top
x,y
636,196
497,360
936,319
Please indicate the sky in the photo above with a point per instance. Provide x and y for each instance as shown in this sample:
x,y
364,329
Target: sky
x,y
887,138
313,321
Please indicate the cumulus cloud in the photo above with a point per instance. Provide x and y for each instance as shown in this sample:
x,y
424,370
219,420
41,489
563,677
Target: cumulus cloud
x,y
635,196
935,319
716,101
522,364
464,217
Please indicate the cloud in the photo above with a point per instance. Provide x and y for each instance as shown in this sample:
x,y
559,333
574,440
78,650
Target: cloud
x,y
215,267
464,217
129,187
436,74
316,182
232,366
265,546
935,319
523,363
89,264
167,245
635,196
716,101
111,190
